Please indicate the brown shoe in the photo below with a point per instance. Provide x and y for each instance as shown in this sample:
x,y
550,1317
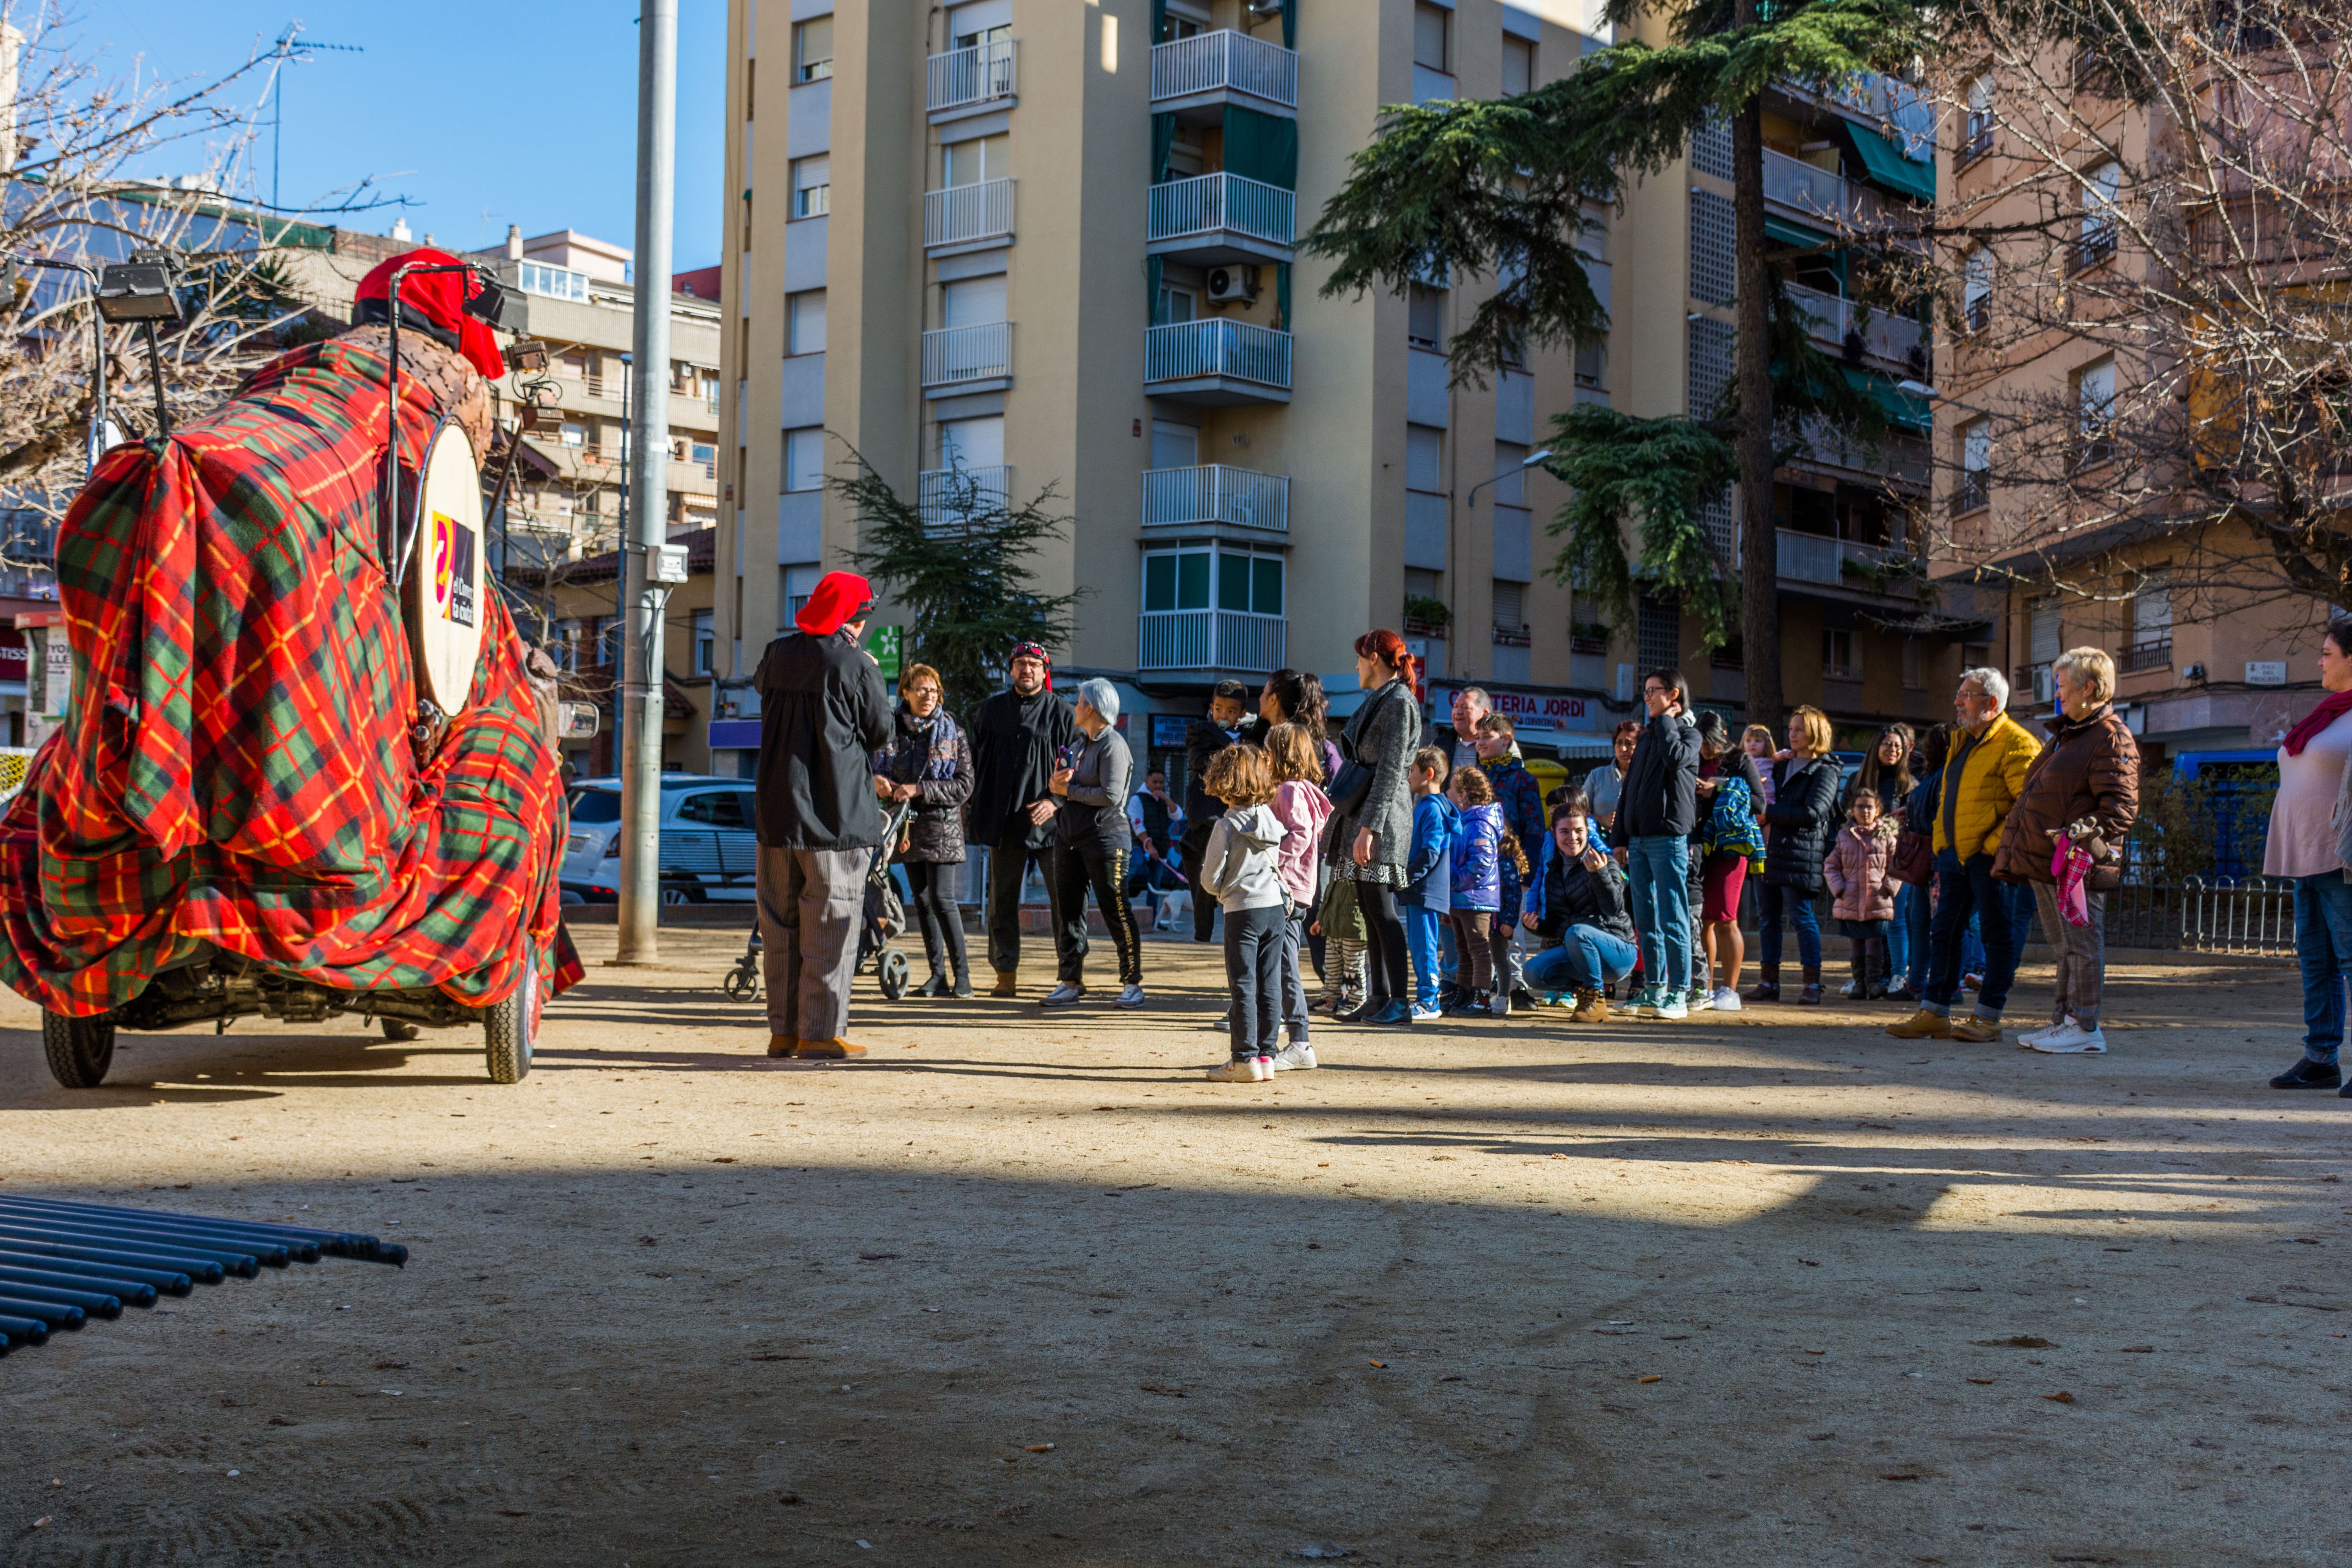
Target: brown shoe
x,y
1976,1030
1922,1026
781,1044
1592,1007
1006,984
836,1049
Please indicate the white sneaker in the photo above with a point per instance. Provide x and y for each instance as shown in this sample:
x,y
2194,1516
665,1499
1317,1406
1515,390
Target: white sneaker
x,y
1699,1000
1131,996
2047,1031
1422,1014
1247,1070
1062,996
1727,1000
1672,1006
2074,1040
1298,1054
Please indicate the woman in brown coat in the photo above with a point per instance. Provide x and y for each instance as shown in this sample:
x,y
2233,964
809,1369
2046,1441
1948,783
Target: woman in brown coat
x,y
2083,792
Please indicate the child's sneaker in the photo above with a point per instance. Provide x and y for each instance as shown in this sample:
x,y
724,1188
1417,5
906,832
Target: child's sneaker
x,y
1296,1055
1501,1004
1724,1000
1672,1006
1699,999
1645,1001
1243,1069
1422,1012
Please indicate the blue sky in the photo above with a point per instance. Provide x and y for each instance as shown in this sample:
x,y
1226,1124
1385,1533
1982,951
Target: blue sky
x,y
482,115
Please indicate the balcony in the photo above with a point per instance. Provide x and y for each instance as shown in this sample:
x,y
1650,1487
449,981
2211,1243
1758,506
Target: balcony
x,y
1195,79
2097,244
1976,139
1973,493
1844,563
949,499
1214,495
967,218
2146,655
968,359
1211,639
1216,218
1893,339
1216,363
969,82
1817,195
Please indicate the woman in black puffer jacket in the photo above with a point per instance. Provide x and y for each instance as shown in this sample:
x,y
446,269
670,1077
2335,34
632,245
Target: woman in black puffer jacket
x,y
929,761
1799,826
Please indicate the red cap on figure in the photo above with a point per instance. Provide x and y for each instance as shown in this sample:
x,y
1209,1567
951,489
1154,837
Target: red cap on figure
x,y
840,598
439,298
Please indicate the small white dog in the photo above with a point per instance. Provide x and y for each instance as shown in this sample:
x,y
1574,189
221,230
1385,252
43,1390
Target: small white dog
x,y
1175,907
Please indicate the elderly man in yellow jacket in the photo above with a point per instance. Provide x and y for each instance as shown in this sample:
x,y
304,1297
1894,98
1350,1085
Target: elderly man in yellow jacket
x,y
1989,757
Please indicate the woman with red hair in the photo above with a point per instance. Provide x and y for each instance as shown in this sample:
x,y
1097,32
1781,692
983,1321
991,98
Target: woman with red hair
x,y
1372,817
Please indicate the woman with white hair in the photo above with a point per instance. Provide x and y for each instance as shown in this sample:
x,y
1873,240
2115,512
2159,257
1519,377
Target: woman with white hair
x,y
1091,844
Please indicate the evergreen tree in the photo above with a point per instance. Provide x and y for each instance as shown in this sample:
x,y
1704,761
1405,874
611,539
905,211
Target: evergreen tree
x,y
960,567
1499,189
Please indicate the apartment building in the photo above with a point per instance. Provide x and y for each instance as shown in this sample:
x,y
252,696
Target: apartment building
x,y
1051,243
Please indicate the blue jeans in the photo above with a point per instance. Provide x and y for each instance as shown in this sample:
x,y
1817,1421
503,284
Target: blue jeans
x,y
1961,890
1911,912
1423,928
1586,959
1660,868
1899,939
2323,944
1778,905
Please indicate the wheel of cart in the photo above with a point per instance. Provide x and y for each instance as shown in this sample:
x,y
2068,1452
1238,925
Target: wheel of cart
x,y
511,1028
79,1049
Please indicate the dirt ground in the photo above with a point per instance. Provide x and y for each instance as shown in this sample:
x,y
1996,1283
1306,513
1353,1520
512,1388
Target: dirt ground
x,y
1764,1289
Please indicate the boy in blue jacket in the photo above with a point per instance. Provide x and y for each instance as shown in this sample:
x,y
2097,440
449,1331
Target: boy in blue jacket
x,y
1429,876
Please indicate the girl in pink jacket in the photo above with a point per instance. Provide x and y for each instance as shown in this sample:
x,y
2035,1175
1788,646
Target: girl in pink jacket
x,y
1300,806
1861,874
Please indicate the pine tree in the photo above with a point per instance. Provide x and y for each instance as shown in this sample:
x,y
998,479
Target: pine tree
x,y
1499,189
960,567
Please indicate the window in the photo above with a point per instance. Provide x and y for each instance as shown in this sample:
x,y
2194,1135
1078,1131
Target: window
x,y
1976,289
717,808
1519,66
2098,241
972,301
1975,490
805,322
1976,135
707,456
1510,611
1176,580
794,585
2151,638
2094,405
1431,27
1424,459
702,642
1592,364
575,434
1176,303
1425,317
1510,474
1838,660
1249,582
1174,446
1242,581
812,187
972,443
813,49
1658,635
804,459
969,163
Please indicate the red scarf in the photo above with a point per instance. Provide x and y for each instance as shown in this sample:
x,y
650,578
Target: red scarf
x,y
2332,707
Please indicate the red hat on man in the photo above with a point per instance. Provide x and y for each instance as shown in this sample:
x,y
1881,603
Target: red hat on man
x,y
435,301
840,598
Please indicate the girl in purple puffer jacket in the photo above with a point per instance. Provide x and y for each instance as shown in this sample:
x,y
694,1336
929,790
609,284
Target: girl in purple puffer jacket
x,y
1477,886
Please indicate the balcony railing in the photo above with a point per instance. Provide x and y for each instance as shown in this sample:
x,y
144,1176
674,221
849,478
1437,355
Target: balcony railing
x,y
1976,139
1211,639
956,354
2148,656
1222,204
964,214
1186,350
956,496
1819,193
1890,337
1812,558
2096,245
1980,313
1974,490
1227,61
1215,493
977,75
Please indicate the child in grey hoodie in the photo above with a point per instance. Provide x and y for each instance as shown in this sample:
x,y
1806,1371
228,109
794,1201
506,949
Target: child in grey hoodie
x,y
1238,869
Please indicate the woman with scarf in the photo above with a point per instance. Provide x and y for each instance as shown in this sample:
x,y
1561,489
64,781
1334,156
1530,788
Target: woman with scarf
x,y
929,761
2310,833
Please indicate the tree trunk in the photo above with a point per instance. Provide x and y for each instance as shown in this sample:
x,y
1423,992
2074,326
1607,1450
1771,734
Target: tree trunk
x,y
1760,555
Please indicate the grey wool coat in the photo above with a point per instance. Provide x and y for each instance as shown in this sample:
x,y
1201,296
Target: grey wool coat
x,y
1381,734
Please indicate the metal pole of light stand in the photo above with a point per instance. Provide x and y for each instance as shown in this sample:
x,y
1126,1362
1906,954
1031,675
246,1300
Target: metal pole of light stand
x,y
641,711
155,372
621,559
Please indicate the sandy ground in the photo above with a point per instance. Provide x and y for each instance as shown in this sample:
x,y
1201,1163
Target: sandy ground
x,y
1022,1289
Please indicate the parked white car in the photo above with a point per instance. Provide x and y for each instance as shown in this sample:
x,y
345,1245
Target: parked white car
x,y
709,851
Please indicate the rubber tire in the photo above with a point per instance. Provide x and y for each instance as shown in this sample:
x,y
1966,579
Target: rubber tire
x,y
511,1028
398,1031
79,1049
740,985
894,973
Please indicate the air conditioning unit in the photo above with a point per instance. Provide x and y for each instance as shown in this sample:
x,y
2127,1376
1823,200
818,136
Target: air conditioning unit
x,y
1233,283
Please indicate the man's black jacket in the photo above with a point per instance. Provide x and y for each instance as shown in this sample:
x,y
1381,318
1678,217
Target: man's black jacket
x,y
822,714
1014,743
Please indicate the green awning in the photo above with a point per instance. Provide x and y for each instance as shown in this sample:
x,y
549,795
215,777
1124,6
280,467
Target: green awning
x,y
1890,168
1905,408
1787,233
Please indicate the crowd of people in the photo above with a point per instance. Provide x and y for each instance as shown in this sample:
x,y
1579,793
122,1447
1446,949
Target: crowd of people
x,y
1423,876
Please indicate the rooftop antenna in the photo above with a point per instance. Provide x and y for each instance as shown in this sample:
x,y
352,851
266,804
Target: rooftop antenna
x,y
291,49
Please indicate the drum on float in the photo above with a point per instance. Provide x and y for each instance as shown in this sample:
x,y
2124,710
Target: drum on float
x,y
445,597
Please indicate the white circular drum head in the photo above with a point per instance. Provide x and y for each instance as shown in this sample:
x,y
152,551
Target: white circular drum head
x,y
447,603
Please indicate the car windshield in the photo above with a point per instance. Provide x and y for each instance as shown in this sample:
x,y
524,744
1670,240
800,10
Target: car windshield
x,y
596,805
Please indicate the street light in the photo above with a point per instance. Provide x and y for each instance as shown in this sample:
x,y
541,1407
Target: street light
x,y
1529,461
143,290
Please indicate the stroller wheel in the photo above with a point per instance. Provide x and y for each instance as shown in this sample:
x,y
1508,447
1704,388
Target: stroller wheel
x,y
894,973
742,984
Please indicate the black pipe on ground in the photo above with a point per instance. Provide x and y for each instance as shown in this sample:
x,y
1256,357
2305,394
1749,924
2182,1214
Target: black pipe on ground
x,y
101,1233
97,1303
333,1243
120,1279
202,1272
100,1248
50,1312
25,1330
272,1252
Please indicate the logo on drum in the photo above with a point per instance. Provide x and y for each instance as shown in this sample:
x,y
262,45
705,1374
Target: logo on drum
x,y
453,569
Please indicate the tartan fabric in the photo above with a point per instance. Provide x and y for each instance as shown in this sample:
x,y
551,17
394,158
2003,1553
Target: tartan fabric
x,y
234,766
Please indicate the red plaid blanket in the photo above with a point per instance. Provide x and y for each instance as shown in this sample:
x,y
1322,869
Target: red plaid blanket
x,y
234,766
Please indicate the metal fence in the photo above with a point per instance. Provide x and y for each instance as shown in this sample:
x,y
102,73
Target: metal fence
x,y
1208,204
1227,60
1239,351
2255,916
960,214
975,75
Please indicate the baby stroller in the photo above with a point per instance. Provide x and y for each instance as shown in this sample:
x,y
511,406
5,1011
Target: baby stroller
x,y
883,918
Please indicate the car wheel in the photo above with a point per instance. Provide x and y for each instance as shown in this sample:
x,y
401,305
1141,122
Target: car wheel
x,y
510,1027
79,1049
